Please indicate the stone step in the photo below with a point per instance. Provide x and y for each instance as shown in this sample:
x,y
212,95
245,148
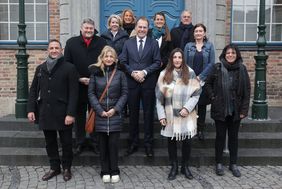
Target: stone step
x,y
35,139
37,156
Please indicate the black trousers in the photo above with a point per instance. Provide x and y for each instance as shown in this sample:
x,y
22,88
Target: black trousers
x,y
80,133
186,150
201,121
232,127
147,96
109,145
52,148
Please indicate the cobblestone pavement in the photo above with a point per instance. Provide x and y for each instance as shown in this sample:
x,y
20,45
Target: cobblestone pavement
x,y
142,177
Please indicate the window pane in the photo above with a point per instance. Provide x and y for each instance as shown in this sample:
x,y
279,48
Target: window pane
x,y
4,13
14,15
41,32
29,1
251,2
14,32
251,14
238,32
30,31
41,1
267,14
251,32
238,12
14,1
277,2
268,2
267,32
277,14
3,1
238,2
29,13
276,32
4,31
41,13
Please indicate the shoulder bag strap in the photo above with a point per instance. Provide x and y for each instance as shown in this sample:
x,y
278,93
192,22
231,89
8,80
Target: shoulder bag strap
x,y
107,86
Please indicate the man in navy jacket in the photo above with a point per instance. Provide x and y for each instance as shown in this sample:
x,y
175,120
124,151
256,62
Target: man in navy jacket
x,y
141,60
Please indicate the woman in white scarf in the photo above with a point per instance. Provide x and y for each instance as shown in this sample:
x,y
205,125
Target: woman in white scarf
x,y
177,93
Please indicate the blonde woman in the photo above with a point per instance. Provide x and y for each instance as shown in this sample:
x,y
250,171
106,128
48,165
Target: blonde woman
x,y
108,120
128,21
115,35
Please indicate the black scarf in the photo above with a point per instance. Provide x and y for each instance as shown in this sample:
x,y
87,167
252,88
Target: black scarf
x,y
227,84
128,27
186,34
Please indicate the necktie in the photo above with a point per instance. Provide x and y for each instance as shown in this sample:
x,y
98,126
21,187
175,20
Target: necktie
x,y
140,50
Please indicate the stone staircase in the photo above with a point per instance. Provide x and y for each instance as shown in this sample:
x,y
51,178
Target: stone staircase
x,y
260,143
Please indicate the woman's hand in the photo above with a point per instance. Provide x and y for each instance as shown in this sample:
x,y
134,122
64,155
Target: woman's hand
x,y
184,112
31,116
111,112
104,114
163,122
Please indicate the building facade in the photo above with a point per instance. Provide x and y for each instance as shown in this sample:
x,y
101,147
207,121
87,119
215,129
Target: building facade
x,y
226,20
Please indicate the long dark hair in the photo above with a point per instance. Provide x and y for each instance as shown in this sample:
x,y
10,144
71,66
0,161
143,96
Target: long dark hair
x,y
235,48
167,36
168,77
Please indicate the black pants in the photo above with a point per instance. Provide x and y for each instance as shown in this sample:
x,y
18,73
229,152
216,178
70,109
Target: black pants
x,y
201,121
80,133
52,148
147,96
186,150
109,145
232,127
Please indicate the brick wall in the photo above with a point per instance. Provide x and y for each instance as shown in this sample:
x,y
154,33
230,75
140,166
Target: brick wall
x,y
274,67
8,71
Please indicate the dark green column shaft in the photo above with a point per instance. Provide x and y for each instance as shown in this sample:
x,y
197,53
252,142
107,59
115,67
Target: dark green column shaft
x,y
22,70
260,106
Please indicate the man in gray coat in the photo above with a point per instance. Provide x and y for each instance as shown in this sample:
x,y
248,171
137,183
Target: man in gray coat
x,y
53,97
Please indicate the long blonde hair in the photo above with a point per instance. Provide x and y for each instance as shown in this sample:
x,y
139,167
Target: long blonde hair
x,y
103,53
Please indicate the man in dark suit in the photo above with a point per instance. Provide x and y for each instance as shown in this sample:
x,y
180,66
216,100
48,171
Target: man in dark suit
x,y
141,60
54,91
82,51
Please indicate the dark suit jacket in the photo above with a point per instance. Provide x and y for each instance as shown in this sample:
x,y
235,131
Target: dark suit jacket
x,y
150,61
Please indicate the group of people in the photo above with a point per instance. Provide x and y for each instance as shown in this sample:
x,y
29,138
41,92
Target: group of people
x,y
131,65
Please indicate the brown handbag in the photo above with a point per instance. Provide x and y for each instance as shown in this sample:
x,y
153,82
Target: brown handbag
x,y
90,123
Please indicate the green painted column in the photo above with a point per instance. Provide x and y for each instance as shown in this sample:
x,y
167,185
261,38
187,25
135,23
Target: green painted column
x,y
260,106
22,69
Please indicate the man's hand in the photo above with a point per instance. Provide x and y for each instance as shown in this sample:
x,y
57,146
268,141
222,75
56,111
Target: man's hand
x,y
31,116
84,80
139,76
69,120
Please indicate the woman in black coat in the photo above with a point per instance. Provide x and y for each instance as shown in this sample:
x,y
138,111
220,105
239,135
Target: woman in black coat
x,y
228,87
108,120
115,35
160,32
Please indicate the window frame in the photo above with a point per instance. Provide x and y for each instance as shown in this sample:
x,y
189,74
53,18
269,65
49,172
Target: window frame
x,y
276,44
8,44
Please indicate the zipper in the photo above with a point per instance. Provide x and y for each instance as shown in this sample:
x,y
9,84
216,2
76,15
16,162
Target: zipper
x,y
107,102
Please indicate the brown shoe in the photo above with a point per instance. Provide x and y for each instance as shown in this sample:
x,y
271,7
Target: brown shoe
x,y
50,174
67,174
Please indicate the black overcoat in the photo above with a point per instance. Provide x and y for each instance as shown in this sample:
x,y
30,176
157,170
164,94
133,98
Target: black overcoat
x,y
115,97
58,94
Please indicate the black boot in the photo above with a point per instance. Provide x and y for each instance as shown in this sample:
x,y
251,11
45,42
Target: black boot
x,y
173,171
186,171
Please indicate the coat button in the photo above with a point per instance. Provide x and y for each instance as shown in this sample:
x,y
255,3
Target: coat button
x,y
50,78
49,91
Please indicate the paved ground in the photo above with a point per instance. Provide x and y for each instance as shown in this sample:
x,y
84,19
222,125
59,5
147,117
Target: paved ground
x,y
142,177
